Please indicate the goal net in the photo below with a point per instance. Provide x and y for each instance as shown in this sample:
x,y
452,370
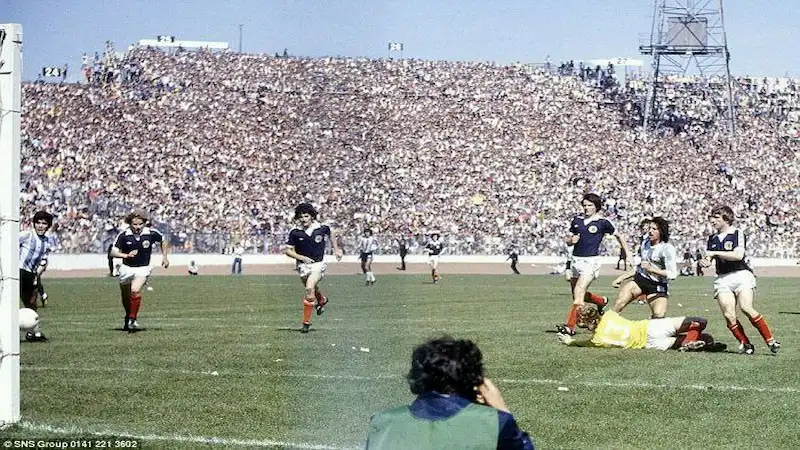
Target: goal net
x,y
10,104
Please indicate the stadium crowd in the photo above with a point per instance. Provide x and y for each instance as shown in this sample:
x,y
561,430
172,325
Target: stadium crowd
x,y
220,147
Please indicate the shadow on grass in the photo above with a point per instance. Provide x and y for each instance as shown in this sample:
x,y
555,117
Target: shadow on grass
x,y
295,330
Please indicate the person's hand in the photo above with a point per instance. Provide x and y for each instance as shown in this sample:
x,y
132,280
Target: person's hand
x,y
307,260
705,262
616,283
339,254
489,395
133,253
164,262
646,266
565,338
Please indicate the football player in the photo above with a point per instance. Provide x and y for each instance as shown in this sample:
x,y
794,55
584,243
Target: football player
x,y
135,246
735,283
306,244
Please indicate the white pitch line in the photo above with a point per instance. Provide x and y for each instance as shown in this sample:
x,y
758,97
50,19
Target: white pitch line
x,y
523,381
206,440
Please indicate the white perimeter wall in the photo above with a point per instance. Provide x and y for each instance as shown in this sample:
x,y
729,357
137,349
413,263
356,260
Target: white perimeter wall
x,y
86,261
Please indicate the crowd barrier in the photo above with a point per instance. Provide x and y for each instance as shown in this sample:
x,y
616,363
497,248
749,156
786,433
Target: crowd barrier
x,y
91,261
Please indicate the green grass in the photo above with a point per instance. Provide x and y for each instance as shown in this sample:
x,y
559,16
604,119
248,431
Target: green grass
x,y
275,385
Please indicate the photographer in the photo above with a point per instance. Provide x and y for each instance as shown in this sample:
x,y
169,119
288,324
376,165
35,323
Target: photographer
x,y
456,407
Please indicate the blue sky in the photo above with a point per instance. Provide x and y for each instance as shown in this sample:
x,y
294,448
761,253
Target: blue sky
x,y
762,35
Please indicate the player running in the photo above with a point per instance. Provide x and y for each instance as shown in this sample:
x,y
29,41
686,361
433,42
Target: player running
x,y
586,234
306,244
135,246
659,265
434,248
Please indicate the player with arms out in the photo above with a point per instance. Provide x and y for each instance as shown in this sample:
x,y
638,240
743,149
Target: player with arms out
x,y
735,283
659,265
434,248
612,330
367,246
306,244
135,247
586,234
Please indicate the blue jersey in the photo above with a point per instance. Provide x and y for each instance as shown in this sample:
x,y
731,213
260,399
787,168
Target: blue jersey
x,y
727,243
591,232
128,241
311,241
434,247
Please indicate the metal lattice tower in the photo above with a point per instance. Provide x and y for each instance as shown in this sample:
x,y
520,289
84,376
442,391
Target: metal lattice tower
x,y
687,34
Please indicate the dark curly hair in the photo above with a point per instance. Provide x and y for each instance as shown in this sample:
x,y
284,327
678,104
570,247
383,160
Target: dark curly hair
x,y
43,216
305,208
447,366
663,228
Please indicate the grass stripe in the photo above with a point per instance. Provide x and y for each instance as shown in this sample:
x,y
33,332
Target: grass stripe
x,y
346,377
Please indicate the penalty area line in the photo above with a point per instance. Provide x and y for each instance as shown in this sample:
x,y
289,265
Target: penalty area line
x,y
194,439
269,373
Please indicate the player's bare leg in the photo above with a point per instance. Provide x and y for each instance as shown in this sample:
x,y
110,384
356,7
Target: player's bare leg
x,y
746,300
627,294
658,306
580,287
135,302
125,293
727,304
310,299
370,274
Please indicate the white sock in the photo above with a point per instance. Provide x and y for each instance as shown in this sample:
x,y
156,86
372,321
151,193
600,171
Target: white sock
x,y
371,276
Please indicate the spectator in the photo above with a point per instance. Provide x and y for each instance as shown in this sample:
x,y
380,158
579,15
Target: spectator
x,y
456,406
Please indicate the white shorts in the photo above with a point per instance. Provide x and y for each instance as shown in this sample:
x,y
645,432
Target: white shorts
x,y
127,273
734,282
585,265
433,260
661,334
306,269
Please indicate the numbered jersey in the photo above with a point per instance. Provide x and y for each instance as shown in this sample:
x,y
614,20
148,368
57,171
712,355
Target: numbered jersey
x,y
368,244
616,331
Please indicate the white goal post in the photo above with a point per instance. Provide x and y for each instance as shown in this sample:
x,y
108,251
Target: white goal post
x,y
10,104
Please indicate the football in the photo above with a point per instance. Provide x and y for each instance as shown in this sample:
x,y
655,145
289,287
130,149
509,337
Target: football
x,y
28,319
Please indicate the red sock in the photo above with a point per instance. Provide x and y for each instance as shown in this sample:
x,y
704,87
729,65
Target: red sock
x,y
738,332
572,317
761,325
693,334
136,302
321,300
594,298
308,308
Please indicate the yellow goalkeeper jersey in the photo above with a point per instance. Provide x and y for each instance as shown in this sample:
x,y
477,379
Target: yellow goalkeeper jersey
x,y
616,331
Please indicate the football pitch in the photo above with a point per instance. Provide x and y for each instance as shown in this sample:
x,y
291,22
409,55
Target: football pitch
x,y
222,363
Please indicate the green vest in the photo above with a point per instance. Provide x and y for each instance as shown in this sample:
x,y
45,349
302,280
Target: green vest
x,y
474,427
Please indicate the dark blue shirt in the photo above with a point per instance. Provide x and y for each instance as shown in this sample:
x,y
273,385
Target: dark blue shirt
x,y
734,238
434,406
128,241
434,247
310,242
591,235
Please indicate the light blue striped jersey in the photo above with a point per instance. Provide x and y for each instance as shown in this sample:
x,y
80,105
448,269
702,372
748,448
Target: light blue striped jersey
x,y
33,250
